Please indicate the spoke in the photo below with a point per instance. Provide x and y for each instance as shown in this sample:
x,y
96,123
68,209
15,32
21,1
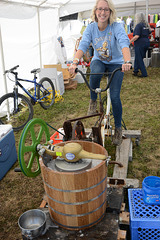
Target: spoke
x,y
38,161
33,135
31,161
40,133
33,156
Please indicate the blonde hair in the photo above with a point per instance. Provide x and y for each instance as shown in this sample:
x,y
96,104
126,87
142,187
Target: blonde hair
x,y
112,17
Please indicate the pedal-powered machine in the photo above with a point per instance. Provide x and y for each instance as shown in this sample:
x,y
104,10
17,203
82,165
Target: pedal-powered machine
x,y
74,174
103,123
103,126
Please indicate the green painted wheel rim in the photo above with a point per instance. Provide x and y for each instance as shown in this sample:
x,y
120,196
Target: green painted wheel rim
x,y
36,138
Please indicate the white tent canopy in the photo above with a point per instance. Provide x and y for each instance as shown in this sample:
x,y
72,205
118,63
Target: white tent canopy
x,y
29,29
28,8
129,8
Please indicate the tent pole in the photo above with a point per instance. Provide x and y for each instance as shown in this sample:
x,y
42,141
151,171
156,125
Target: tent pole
x,y
4,75
39,36
2,60
147,11
147,22
134,8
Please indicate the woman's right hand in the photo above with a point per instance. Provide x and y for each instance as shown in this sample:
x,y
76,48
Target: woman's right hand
x,y
72,69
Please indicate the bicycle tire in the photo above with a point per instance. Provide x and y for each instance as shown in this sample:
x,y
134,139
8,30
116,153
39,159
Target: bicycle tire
x,y
104,103
47,101
17,119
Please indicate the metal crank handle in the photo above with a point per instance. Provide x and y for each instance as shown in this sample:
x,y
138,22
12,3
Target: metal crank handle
x,y
115,162
17,170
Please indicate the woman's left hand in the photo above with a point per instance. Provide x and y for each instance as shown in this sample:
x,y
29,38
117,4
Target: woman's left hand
x,y
126,67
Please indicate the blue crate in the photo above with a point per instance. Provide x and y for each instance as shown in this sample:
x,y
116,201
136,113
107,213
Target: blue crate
x,y
144,218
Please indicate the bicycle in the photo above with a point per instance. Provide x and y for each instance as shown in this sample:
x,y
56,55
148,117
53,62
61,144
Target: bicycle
x,y
16,109
104,105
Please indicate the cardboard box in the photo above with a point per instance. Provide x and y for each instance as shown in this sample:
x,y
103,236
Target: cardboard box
x,y
58,66
64,69
8,154
66,73
71,85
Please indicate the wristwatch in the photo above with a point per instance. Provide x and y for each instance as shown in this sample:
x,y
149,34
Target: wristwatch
x,y
128,62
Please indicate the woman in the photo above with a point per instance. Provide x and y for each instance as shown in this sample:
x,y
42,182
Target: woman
x,y
141,43
111,50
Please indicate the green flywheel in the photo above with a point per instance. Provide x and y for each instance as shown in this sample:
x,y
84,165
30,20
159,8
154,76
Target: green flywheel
x,y
35,132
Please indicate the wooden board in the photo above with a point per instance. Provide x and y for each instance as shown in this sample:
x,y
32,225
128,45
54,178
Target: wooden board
x,y
132,133
126,182
121,235
126,133
122,155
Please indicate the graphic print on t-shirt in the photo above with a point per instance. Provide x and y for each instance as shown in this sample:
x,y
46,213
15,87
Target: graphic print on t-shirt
x,y
103,47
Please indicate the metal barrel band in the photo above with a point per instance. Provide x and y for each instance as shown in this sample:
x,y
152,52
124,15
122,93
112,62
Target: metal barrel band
x,y
78,227
77,203
75,190
77,215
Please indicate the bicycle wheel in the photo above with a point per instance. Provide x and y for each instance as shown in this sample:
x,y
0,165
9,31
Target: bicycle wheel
x,y
46,93
16,117
104,102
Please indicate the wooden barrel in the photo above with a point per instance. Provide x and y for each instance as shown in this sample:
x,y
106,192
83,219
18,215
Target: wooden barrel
x,y
77,200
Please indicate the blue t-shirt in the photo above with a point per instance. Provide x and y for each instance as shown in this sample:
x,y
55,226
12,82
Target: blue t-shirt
x,y
107,44
143,32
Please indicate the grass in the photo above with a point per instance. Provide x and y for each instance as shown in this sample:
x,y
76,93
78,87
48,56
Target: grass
x,y
141,111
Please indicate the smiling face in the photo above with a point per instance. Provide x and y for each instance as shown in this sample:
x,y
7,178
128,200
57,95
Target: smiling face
x,y
102,12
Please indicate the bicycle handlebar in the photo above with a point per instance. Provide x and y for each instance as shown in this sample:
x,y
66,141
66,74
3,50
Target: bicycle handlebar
x,y
14,68
11,69
98,89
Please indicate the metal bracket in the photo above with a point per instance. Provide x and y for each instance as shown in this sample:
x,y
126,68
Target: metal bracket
x,y
116,181
107,160
98,90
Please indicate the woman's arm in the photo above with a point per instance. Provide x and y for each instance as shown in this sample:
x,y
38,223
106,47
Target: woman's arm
x,y
127,59
73,66
134,38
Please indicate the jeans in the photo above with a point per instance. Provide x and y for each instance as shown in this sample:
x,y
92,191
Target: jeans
x,y
98,66
140,53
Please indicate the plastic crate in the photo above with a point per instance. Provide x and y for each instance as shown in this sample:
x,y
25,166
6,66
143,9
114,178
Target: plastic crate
x,y
144,218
